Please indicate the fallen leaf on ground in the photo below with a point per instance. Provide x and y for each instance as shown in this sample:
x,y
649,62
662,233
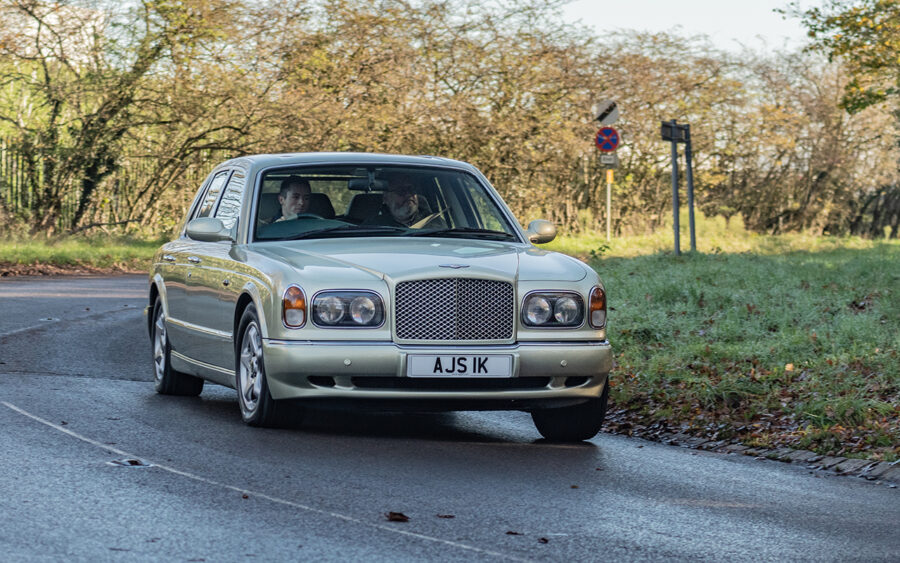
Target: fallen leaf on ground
x,y
543,540
396,517
446,516
511,533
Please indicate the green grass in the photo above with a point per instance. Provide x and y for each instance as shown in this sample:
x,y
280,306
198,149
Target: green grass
x,y
786,340
78,252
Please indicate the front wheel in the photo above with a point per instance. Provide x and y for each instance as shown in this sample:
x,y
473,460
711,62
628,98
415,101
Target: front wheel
x,y
573,424
167,380
258,408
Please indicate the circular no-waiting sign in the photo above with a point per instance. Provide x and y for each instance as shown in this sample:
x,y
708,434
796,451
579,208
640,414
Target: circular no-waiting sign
x,y
607,139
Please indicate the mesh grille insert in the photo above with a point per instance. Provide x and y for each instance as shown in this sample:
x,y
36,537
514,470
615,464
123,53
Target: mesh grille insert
x,y
454,309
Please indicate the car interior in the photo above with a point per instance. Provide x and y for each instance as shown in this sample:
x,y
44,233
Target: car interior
x,y
351,195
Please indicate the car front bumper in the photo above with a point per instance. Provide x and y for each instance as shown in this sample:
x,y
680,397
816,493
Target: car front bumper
x,y
543,374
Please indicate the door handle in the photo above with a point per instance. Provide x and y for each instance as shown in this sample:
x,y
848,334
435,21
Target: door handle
x,y
194,259
168,258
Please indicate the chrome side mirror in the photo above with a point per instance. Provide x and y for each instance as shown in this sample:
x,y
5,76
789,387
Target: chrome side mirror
x,y
541,231
208,229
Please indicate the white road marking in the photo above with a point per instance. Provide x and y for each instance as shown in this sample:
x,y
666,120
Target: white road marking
x,y
27,328
256,494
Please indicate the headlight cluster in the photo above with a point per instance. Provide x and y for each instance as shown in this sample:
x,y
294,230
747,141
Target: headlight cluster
x,y
347,309
553,309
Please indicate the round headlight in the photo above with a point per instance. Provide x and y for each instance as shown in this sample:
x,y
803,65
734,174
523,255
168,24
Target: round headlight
x,y
538,310
329,310
362,310
566,310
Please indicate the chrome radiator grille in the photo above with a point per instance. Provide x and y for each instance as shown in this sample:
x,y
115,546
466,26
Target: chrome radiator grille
x,y
454,309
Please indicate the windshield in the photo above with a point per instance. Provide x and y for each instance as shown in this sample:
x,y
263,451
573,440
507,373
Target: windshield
x,y
377,201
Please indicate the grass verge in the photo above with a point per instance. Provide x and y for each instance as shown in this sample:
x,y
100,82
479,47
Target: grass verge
x,y
75,255
776,341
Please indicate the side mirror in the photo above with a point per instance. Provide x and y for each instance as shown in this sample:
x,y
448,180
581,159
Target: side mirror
x,y
541,231
208,229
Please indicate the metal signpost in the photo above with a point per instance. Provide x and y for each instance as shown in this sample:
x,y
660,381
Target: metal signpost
x,y
681,133
607,141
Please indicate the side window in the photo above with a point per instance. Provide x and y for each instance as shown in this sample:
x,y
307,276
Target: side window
x,y
486,210
230,207
212,194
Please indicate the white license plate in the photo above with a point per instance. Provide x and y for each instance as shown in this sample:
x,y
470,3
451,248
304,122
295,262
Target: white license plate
x,y
459,366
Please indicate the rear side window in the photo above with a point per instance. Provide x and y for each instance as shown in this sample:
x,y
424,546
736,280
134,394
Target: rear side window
x,y
230,207
212,194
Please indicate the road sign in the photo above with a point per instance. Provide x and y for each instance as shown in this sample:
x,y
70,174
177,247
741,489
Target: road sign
x,y
609,160
678,132
607,139
606,112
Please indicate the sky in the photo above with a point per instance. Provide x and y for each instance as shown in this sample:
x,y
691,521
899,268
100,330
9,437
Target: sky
x,y
728,23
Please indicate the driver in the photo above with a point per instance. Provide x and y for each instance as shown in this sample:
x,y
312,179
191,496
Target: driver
x,y
402,206
293,197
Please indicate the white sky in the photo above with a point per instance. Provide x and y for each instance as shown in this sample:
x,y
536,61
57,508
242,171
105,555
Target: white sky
x,y
726,22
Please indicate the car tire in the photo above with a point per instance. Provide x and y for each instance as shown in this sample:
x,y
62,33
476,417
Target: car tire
x,y
258,408
167,380
573,424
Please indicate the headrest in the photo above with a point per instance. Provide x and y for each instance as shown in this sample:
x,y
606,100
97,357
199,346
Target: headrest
x,y
363,206
320,204
268,207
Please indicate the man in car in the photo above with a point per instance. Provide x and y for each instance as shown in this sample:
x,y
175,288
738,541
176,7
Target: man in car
x,y
404,207
293,197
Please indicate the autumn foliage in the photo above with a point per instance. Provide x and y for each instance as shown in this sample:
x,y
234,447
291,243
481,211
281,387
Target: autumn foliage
x,y
111,113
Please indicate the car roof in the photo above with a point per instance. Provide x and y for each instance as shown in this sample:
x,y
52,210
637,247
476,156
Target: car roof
x,y
261,161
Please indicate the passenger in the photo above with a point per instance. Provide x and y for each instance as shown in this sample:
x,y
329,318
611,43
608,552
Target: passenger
x,y
293,197
403,207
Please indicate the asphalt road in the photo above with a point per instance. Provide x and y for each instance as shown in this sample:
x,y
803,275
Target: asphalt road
x,y
76,397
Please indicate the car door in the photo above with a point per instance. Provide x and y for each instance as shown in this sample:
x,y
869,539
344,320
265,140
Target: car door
x,y
214,284
192,341
178,268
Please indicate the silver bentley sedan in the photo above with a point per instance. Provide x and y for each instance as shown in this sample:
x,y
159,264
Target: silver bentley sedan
x,y
382,281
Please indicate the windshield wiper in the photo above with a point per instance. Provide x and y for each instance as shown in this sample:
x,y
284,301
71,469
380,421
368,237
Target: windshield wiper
x,y
465,232
347,230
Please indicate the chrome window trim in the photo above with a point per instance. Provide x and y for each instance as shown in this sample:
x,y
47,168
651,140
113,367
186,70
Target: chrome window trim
x,y
479,178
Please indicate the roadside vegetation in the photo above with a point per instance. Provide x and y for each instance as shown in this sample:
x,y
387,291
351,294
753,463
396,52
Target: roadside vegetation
x,y
788,341
68,255
112,113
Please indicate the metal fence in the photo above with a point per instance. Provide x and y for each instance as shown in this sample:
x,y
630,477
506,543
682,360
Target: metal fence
x,y
112,200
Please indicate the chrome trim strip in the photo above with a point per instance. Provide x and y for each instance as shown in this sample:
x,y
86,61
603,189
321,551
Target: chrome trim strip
x,y
417,347
204,365
196,328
